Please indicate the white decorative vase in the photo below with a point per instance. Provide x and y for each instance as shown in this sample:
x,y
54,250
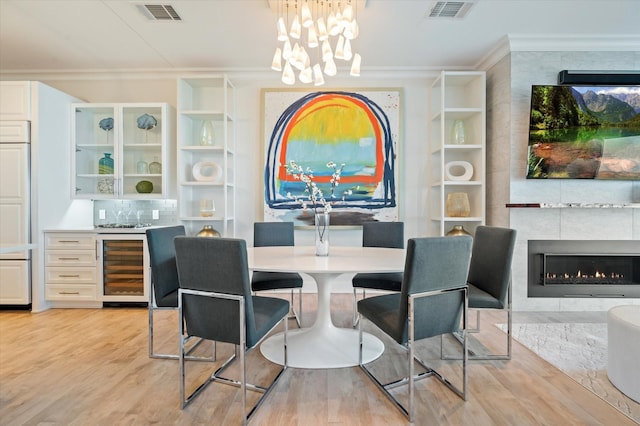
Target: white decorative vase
x,y
322,234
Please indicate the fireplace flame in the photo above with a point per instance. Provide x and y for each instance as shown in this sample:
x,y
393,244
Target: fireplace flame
x,y
580,274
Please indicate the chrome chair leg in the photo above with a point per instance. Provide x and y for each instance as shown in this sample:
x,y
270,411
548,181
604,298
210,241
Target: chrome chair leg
x,y
155,355
292,313
356,317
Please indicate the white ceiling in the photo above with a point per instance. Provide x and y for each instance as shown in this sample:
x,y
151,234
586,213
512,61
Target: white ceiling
x,y
239,35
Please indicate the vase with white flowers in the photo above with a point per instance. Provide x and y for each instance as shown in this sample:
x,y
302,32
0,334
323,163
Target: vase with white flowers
x,y
316,201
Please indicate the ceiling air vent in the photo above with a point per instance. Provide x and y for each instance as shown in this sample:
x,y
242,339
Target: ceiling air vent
x,y
162,12
450,9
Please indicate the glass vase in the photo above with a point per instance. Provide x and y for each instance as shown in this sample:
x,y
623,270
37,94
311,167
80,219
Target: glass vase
x,y
458,204
457,132
206,133
105,164
155,167
142,167
322,234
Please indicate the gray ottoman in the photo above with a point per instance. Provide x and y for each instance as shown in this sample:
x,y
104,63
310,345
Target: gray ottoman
x,y
623,362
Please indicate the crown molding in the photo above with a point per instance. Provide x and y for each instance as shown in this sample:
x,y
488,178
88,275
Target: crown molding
x,y
371,73
558,43
499,51
577,43
507,44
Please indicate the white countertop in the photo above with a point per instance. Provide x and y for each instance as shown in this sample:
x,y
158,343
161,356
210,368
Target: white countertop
x,y
94,230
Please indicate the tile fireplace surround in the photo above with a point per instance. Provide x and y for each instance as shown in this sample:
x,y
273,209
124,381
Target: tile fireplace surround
x,y
569,222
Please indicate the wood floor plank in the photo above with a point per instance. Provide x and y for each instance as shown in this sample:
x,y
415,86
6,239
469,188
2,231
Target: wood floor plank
x,y
91,366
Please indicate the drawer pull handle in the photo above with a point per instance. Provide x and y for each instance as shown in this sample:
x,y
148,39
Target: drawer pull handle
x,y
69,276
69,241
69,292
69,258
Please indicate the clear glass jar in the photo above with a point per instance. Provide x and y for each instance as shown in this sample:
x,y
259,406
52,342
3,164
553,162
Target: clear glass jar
x,y
142,167
207,208
155,167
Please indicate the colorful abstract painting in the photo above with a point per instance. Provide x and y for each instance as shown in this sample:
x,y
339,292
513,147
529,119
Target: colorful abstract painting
x,y
356,129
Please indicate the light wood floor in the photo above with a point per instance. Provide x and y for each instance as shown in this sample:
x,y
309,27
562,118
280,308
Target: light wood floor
x,y
90,366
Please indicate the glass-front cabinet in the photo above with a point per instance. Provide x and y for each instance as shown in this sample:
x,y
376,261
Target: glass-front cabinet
x,y
120,150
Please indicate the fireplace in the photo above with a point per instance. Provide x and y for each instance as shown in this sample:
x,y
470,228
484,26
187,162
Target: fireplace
x,y
577,268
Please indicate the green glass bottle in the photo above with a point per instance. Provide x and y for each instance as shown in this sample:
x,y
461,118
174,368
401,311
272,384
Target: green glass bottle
x,y
105,165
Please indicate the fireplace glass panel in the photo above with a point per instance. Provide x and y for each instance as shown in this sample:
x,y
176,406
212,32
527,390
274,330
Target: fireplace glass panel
x,y
592,269
566,268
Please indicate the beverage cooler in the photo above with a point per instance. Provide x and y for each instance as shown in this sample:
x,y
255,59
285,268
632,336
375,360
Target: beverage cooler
x,y
123,268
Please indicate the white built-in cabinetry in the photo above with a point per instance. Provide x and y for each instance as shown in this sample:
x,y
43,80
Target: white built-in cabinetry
x,y
134,136
458,98
35,112
206,152
70,267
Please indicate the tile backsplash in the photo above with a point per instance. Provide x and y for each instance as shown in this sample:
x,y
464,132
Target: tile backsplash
x,y
135,212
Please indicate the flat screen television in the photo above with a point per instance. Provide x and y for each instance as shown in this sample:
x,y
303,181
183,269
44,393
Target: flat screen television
x,y
584,132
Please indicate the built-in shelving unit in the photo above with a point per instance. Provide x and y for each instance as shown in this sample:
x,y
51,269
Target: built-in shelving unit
x,y
457,97
206,168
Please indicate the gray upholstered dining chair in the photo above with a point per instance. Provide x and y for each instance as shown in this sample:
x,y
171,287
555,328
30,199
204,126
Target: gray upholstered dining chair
x,y
378,234
277,234
489,282
432,301
490,278
163,292
215,303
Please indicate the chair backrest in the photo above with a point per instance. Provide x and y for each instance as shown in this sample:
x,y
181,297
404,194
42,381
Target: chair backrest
x,y
490,268
273,234
215,265
162,258
434,263
383,234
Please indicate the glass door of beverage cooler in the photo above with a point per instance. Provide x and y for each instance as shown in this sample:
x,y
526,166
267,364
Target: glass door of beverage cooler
x,y
124,264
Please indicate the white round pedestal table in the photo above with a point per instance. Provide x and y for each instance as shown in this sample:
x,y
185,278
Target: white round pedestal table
x,y
323,345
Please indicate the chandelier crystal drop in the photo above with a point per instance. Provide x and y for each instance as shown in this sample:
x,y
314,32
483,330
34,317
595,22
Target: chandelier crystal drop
x,y
321,33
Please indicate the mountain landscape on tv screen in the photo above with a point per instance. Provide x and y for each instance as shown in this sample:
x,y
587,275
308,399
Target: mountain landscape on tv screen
x,y
584,132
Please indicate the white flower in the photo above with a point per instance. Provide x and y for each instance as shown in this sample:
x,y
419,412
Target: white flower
x,y
315,195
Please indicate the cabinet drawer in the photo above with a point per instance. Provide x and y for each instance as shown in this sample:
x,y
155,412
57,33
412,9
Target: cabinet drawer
x,y
70,241
62,275
70,258
70,292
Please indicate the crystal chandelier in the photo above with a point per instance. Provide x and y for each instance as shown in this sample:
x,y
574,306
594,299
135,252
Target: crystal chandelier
x,y
314,34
